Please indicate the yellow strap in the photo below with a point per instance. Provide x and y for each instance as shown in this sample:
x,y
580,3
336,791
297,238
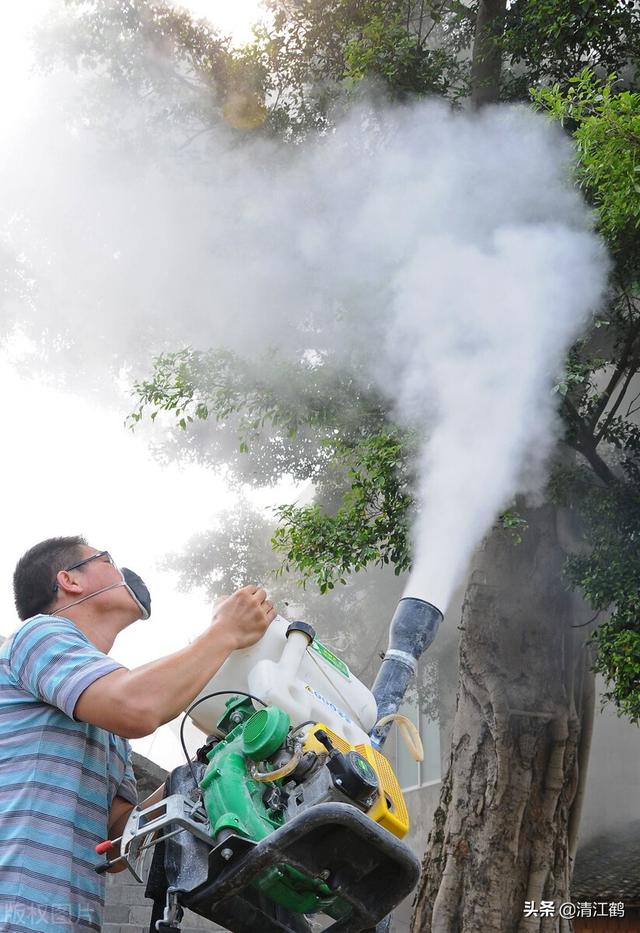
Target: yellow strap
x,y
408,731
280,772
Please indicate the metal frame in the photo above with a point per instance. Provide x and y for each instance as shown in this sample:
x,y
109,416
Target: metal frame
x,y
144,829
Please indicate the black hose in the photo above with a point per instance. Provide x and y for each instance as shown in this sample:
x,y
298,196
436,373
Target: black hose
x,y
208,696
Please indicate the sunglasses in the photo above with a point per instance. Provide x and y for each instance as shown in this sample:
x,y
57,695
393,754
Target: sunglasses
x,y
101,554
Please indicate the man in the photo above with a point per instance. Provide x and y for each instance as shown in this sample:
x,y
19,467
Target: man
x,y
66,712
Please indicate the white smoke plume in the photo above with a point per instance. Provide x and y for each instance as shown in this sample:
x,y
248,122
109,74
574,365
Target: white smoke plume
x,y
494,348
449,251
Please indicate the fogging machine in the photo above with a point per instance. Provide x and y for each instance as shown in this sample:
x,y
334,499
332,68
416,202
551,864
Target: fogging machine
x,y
291,818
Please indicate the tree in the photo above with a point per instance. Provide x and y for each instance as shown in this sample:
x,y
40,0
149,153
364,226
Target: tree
x,y
551,41
316,54
507,798
486,63
180,71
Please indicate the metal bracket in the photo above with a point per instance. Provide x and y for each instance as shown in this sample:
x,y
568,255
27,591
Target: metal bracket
x,y
144,828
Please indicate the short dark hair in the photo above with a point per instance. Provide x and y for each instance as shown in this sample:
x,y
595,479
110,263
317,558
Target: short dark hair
x,y
35,573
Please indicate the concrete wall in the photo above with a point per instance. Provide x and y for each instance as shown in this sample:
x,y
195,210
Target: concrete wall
x,y
612,796
128,911
421,804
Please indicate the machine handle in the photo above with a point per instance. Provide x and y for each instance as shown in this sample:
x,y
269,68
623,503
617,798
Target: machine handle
x,y
105,846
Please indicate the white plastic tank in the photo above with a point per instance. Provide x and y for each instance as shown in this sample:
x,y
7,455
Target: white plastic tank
x,y
305,679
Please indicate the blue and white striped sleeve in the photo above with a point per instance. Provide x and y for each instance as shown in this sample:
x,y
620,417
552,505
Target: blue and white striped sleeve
x,y
55,662
128,787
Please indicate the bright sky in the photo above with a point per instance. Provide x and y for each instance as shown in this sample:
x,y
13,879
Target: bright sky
x,y
232,17
99,479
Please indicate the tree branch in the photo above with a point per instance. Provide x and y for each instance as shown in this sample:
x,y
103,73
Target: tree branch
x,y
603,401
187,142
421,20
585,444
423,39
633,369
631,404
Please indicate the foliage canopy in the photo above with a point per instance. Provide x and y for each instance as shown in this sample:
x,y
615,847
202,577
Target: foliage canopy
x,y
600,392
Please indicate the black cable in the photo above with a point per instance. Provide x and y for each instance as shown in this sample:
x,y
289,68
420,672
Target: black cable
x,y
209,696
307,722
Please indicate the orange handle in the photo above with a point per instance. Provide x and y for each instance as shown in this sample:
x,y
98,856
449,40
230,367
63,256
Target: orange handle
x,y
103,847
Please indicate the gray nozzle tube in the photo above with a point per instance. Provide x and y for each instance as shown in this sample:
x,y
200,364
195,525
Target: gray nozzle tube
x,y
413,628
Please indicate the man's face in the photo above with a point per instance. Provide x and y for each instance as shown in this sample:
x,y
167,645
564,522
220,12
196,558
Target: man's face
x,y
95,570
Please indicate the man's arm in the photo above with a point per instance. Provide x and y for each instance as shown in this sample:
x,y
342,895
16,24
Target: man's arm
x,y
134,703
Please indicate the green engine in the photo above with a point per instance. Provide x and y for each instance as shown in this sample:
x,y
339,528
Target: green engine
x,y
237,801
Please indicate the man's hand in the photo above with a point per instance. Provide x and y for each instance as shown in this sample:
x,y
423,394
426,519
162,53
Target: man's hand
x,y
242,618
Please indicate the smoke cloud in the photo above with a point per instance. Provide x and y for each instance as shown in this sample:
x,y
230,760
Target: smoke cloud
x,y
448,254
493,349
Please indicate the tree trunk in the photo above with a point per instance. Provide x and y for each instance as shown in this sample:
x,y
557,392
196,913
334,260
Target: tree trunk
x,y
501,831
486,61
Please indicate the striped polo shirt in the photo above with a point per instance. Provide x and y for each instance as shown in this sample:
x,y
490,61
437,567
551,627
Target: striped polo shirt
x,y
58,778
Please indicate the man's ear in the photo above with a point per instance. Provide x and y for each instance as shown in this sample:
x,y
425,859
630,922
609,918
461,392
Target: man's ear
x,y
66,583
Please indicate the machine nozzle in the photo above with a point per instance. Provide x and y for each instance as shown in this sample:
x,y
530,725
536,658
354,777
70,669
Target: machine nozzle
x,y
413,628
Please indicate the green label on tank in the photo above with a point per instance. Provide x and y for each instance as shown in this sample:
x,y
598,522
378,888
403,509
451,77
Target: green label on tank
x,y
330,658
